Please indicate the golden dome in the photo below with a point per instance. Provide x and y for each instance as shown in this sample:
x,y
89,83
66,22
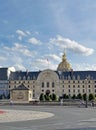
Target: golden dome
x,y
64,65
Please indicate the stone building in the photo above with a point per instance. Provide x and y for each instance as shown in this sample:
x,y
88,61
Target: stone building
x,y
62,81
21,94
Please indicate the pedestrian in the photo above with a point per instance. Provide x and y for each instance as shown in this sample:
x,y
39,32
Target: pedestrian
x,y
92,103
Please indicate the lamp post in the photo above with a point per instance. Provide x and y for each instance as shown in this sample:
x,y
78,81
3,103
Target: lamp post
x,y
86,104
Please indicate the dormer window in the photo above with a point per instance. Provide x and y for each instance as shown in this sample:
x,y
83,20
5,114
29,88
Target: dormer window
x,y
28,77
24,78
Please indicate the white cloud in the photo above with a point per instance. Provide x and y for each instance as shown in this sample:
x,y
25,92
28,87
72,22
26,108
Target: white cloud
x,y
27,32
53,57
34,41
84,67
71,45
20,32
23,50
19,67
41,64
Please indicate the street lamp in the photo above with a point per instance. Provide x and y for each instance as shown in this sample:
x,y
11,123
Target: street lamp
x,y
86,104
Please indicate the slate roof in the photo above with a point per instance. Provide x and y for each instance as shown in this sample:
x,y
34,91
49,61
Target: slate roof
x,y
62,75
21,75
21,87
82,74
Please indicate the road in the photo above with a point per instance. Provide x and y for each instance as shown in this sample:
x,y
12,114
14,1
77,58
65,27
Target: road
x,y
65,118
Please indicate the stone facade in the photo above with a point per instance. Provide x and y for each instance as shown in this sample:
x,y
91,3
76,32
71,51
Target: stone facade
x,y
21,94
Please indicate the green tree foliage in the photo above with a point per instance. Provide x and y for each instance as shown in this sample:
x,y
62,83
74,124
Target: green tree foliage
x,y
84,96
42,98
65,96
47,97
74,96
53,97
91,97
79,96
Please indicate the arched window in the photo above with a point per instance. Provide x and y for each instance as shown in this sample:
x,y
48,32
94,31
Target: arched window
x,y
24,78
19,77
73,77
78,77
28,77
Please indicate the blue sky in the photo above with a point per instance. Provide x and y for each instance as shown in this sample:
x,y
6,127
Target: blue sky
x,y
32,31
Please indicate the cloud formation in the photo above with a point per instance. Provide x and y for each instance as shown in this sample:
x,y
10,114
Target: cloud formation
x,y
34,41
84,66
21,34
21,49
71,45
41,64
53,57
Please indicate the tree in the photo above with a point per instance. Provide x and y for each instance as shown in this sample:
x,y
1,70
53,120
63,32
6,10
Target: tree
x,y
84,96
47,97
42,98
91,97
65,96
79,96
53,97
74,96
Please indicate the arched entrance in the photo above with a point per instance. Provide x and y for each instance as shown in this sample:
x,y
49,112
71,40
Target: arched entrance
x,y
47,92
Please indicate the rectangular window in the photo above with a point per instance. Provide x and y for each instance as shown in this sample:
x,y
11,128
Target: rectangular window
x,y
83,90
73,86
78,90
78,86
88,81
63,90
47,84
53,85
42,84
83,86
95,81
73,81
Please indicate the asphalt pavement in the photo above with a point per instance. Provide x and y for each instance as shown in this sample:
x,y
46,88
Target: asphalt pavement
x,y
65,118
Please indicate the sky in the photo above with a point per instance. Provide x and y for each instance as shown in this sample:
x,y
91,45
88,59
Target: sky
x,y
34,34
